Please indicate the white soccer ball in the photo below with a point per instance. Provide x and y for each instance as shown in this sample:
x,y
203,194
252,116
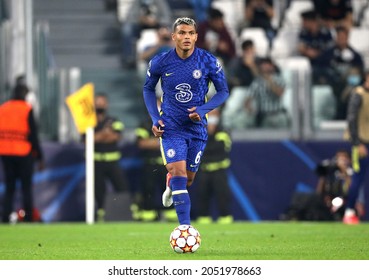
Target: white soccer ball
x,y
185,239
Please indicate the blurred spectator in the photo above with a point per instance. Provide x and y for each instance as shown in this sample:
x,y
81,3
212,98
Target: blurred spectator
x,y
163,44
259,13
153,172
353,79
19,148
335,64
214,36
31,97
313,38
358,134
144,14
267,91
108,133
212,178
239,111
200,8
242,70
334,13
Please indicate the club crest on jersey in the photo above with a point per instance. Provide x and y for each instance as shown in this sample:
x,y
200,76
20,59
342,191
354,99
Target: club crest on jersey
x,y
148,69
171,153
197,74
219,66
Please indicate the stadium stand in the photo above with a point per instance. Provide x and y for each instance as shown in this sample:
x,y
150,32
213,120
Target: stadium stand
x,y
323,100
359,7
258,36
285,43
292,18
82,33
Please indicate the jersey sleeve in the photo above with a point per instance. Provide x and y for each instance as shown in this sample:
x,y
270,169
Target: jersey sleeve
x,y
216,75
149,94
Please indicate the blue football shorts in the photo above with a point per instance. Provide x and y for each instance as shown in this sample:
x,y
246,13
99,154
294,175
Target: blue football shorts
x,y
177,148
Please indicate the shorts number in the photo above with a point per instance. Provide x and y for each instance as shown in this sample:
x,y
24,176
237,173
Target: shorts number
x,y
198,157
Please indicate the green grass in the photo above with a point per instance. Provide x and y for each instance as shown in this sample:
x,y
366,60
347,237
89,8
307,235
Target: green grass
x,y
150,241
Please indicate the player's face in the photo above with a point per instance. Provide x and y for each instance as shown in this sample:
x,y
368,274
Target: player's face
x,y
185,37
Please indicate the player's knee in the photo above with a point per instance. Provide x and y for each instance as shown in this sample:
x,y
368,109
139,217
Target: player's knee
x,y
177,172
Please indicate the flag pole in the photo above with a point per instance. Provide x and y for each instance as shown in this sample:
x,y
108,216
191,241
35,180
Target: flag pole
x,y
90,192
81,105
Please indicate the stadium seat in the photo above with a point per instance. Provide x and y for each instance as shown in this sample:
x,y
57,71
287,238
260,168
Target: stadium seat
x,y
232,15
358,7
323,104
285,43
292,18
287,95
359,39
364,23
257,35
148,37
123,9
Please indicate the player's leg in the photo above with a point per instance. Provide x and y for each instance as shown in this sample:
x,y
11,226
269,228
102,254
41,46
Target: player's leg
x,y
99,177
25,176
167,197
358,177
173,149
10,183
178,185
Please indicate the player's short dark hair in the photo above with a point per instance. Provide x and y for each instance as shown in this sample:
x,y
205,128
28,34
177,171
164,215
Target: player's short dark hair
x,y
184,20
247,44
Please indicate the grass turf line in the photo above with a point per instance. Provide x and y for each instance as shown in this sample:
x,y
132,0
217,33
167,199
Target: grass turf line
x,y
150,241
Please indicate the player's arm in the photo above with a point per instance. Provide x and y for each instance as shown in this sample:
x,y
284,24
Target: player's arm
x,y
222,92
149,94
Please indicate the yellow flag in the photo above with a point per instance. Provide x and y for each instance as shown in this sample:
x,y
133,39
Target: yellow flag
x,y
81,105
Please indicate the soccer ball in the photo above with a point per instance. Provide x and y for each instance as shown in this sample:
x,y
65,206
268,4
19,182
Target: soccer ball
x,y
185,239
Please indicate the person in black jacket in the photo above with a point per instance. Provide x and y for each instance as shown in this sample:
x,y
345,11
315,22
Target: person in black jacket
x,y
107,135
213,179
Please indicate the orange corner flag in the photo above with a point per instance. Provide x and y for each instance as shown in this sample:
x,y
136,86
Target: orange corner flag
x,y
81,105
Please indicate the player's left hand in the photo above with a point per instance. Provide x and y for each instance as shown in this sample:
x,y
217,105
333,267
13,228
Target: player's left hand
x,y
158,130
193,115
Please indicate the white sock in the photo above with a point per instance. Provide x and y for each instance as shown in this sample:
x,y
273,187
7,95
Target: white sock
x,y
350,212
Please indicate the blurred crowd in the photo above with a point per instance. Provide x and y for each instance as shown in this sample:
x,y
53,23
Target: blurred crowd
x,y
260,92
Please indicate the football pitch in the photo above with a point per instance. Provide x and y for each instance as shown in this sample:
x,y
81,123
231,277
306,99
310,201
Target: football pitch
x,y
150,241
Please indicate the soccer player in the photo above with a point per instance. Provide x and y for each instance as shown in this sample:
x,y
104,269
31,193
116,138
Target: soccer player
x,y
185,73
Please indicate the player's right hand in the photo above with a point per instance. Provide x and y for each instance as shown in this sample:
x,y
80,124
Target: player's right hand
x,y
158,129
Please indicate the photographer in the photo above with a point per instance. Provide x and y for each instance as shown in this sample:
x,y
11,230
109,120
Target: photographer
x,y
334,180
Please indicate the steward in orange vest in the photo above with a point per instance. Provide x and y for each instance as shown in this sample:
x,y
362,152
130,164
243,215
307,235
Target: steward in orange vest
x,y
19,147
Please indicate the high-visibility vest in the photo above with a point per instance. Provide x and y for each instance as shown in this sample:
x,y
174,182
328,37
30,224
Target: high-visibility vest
x,y
14,128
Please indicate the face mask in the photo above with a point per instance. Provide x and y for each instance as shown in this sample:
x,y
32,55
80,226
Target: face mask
x,y
100,110
353,80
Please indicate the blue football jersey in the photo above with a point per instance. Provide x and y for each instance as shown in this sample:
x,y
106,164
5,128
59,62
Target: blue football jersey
x,y
185,83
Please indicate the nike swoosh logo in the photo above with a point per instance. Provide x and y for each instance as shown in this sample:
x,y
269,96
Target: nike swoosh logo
x,y
168,74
